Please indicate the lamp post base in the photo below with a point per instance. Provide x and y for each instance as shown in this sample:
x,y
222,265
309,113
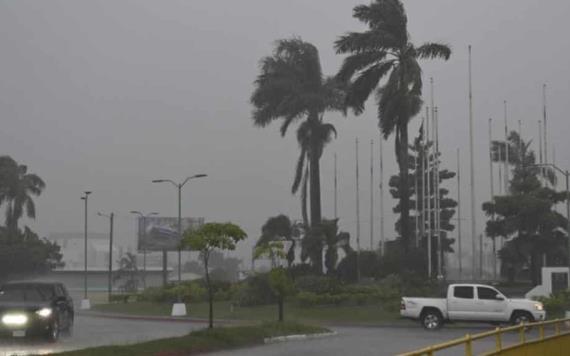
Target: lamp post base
x,y
178,309
85,304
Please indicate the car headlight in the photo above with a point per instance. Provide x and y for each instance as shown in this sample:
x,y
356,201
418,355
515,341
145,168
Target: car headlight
x,y
539,306
44,312
14,319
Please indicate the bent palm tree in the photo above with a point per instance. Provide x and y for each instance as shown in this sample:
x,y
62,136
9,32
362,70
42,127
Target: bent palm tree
x,y
290,88
280,228
17,188
385,51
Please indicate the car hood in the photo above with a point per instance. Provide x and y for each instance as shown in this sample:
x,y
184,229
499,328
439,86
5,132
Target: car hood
x,y
22,306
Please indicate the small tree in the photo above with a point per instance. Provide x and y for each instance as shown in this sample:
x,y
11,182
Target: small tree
x,y
280,282
208,238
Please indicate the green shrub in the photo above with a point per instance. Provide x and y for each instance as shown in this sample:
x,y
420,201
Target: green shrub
x,y
318,284
255,290
557,304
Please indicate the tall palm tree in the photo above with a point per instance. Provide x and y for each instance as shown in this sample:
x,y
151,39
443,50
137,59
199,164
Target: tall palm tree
x,y
385,51
17,189
291,88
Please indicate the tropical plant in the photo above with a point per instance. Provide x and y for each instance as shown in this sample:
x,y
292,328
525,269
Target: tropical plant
x,y
290,88
207,239
274,250
280,228
17,189
526,218
385,51
25,253
420,171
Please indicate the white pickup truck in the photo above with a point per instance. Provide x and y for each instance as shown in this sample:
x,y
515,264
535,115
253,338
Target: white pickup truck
x,y
471,302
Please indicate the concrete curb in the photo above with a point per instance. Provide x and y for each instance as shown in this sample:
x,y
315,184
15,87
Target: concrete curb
x,y
277,339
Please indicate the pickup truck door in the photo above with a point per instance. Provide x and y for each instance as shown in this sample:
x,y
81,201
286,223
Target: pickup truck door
x,y
461,303
491,304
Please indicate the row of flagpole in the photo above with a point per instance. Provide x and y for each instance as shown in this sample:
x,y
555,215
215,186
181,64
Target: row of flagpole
x,y
431,183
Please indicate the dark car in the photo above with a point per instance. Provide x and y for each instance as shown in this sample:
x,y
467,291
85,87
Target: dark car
x,y
35,309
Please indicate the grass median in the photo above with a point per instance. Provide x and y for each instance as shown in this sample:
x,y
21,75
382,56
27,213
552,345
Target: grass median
x,y
366,314
205,340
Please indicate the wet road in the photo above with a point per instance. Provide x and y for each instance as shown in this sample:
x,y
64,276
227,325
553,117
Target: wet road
x,y
356,341
94,331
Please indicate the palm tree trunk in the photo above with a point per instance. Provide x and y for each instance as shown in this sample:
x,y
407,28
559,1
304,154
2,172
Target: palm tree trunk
x,y
315,185
404,187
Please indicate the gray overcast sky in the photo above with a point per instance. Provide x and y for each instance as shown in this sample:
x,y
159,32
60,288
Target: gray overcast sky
x,y
108,95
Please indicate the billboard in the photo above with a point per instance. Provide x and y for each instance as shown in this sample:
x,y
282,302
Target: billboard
x,y
161,233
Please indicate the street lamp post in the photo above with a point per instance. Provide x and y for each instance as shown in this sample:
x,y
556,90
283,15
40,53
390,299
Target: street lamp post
x,y
85,302
143,218
566,174
179,186
110,274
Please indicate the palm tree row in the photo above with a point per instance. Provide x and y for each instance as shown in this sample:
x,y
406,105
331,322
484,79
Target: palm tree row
x,y
17,191
291,88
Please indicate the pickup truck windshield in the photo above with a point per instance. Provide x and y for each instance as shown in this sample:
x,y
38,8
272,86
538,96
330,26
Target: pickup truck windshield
x,y
25,293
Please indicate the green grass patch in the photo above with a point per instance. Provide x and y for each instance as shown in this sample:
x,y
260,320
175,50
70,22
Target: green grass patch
x,y
205,340
366,314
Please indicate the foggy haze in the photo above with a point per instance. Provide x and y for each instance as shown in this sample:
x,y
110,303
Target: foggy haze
x,y
106,96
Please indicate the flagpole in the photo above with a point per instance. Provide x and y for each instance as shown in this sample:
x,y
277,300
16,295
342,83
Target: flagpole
x,y
506,151
540,141
422,166
437,197
544,122
428,164
472,173
357,217
459,214
381,178
371,195
493,238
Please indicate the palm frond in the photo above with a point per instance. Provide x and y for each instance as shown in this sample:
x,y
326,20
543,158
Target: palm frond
x,y
369,41
433,50
365,83
357,62
388,15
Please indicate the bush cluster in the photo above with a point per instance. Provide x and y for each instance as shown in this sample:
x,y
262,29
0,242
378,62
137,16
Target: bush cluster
x,y
187,292
556,305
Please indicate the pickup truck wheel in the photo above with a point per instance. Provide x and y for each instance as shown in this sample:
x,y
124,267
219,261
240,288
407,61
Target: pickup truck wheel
x,y
521,317
431,320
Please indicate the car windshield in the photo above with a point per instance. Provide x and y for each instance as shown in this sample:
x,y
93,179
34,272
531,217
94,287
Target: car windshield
x,y
26,293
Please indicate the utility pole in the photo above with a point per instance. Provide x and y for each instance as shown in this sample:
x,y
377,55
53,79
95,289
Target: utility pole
x,y
85,304
472,162
417,197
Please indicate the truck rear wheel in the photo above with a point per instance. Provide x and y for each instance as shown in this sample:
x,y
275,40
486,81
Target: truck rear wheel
x,y
431,319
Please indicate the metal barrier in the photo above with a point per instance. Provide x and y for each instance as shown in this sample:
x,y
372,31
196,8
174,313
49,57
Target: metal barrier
x,y
557,343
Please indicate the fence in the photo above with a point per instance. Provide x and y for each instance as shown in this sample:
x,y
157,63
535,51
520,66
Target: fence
x,y
552,338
